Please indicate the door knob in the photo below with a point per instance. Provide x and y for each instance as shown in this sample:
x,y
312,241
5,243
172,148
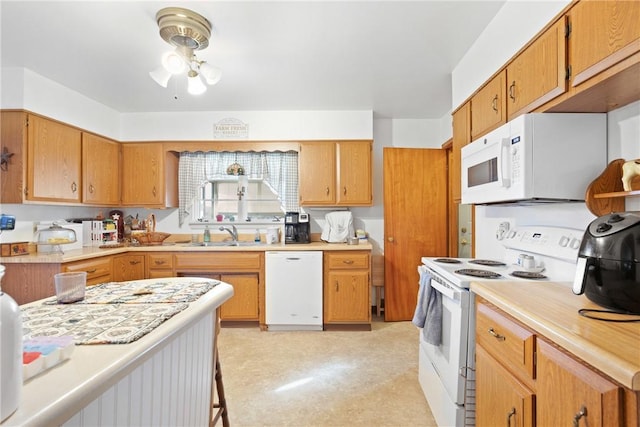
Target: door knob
x,y
390,239
463,242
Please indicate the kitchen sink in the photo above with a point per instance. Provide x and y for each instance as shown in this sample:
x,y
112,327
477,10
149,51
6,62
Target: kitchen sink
x,y
230,244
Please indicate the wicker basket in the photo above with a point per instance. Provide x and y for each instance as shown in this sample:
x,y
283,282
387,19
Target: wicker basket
x,y
151,238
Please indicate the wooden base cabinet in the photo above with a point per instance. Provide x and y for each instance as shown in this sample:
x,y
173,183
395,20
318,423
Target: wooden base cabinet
x,y
243,305
501,399
347,290
569,393
128,267
98,269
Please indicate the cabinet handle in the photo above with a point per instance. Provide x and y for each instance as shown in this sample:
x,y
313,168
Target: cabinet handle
x,y
512,91
159,262
337,286
511,413
154,191
327,191
495,334
580,414
134,262
74,187
348,261
494,103
91,188
344,190
92,271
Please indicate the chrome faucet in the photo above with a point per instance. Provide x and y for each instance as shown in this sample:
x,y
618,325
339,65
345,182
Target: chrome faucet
x,y
233,231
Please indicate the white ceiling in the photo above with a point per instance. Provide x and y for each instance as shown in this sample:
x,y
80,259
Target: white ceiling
x,y
392,57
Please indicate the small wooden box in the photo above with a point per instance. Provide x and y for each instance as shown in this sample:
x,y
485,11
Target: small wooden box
x,y
13,249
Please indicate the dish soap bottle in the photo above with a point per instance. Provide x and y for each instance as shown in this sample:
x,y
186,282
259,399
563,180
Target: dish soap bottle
x,y
256,238
207,235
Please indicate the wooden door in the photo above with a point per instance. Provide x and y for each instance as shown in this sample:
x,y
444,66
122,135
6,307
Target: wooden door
x,y
100,170
54,156
244,304
347,297
415,222
488,107
128,267
317,173
537,75
354,173
142,175
603,33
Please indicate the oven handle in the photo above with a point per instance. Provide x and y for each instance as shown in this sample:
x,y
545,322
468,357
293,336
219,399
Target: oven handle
x,y
444,289
505,162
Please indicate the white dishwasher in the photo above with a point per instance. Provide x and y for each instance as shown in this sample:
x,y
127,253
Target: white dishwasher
x,y
293,290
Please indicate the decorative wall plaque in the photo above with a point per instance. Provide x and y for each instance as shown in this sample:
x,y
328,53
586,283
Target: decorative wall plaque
x,y
230,128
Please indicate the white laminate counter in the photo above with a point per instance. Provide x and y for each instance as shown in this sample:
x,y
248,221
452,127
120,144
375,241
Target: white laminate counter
x,y
129,384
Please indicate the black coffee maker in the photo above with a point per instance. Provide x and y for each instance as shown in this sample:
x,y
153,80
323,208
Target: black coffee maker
x,y
296,228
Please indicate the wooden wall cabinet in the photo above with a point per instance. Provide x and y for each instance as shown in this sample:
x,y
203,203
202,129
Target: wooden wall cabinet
x,y
54,158
538,74
488,107
149,176
100,170
243,270
461,137
347,290
128,267
13,142
603,33
335,173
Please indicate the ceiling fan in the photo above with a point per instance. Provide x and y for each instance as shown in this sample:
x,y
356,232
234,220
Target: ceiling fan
x,y
188,32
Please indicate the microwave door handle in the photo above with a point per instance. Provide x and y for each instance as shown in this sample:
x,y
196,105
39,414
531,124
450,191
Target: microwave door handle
x,y
505,163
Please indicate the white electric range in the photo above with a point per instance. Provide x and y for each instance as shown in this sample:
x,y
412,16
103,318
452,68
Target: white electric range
x,y
447,371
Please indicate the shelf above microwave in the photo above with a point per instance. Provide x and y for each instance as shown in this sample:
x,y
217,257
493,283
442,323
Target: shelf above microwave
x,y
605,193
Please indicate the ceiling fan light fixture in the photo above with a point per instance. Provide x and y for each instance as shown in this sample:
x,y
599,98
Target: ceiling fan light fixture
x,y
173,62
194,83
161,76
183,27
210,73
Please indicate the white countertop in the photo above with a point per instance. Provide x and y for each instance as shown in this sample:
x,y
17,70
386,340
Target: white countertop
x,y
55,395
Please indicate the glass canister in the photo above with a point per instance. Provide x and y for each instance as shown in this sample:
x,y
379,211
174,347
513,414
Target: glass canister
x,y
10,353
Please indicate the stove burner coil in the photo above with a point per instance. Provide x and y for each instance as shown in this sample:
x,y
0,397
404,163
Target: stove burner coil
x,y
475,272
448,260
487,262
528,275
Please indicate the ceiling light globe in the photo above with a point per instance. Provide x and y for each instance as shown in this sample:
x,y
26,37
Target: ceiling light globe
x,y
161,76
194,84
210,73
173,63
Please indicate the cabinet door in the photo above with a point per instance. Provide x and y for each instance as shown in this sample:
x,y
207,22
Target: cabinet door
x,y
488,107
128,267
602,34
570,393
501,400
54,154
461,137
346,297
538,74
317,173
13,141
100,170
354,173
244,304
142,175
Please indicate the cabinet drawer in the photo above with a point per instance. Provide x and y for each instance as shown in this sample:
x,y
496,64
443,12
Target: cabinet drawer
x,y
98,270
347,260
219,261
160,261
507,341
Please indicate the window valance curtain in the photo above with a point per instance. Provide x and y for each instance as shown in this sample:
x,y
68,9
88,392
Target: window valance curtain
x,y
279,169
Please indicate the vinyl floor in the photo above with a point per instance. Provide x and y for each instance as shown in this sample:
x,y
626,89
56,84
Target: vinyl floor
x,y
323,378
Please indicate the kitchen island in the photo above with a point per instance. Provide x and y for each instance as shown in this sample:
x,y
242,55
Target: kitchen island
x,y
163,378
538,359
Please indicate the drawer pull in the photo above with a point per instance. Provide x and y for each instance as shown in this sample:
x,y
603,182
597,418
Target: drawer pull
x,y
134,262
159,262
92,271
348,261
496,335
580,414
511,413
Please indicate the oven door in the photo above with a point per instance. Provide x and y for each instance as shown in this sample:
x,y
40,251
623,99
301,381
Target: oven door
x,y
449,359
486,168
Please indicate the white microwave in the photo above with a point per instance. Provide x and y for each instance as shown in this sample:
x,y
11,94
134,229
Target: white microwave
x,y
536,157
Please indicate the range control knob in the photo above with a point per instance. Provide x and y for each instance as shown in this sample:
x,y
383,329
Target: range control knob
x,y
602,227
564,241
575,243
